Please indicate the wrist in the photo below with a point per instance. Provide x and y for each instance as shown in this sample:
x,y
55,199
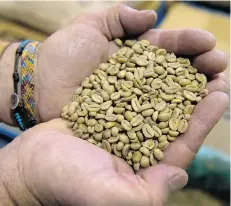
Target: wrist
x,y
6,83
27,84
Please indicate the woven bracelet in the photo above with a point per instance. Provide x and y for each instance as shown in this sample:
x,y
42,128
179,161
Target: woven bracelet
x,y
22,100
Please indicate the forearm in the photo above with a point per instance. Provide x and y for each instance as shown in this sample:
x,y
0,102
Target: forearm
x,y
6,83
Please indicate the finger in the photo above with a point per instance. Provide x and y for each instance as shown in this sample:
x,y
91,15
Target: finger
x,y
211,62
205,116
221,76
119,21
121,166
190,42
219,83
181,41
163,180
58,124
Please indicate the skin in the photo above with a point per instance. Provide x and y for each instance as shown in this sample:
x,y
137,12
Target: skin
x,y
50,167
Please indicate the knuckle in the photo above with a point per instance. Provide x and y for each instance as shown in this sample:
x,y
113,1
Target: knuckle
x,y
224,86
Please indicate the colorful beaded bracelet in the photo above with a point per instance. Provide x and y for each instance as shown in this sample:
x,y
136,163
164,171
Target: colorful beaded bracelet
x,y
22,100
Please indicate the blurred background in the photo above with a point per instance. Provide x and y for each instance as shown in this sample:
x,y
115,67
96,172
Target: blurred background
x,y
209,182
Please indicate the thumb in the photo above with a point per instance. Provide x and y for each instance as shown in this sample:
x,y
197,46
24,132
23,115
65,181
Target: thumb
x,y
119,21
164,180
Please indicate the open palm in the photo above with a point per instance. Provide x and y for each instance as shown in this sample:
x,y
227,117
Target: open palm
x,y
73,53
68,57
58,169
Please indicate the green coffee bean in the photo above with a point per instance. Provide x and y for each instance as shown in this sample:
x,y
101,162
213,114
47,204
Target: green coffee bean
x,y
125,151
92,141
171,139
173,124
167,97
137,120
148,131
157,131
118,110
115,96
163,117
162,138
116,152
118,42
140,136
98,136
155,116
111,117
149,144
203,92
113,139
182,126
98,127
145,151
173,133
135,146
136,157
165,130
119,146
93,108
126,125
128,115
188,109
124,138
131,134
120,118
158,154
189,95
147,113
91,122
163,145
115,131
144,162
106,133
96,98
106,146
109,125
160,106
121,104
152,160
184,82
163,125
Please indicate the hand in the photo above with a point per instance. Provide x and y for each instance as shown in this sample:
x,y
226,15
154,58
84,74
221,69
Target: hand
x,y
50,167
70,55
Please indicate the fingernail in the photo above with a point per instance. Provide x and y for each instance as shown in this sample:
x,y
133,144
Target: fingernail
x,y
177,182
152,13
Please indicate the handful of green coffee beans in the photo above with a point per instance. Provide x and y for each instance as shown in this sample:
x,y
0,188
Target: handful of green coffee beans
x,y
138,102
